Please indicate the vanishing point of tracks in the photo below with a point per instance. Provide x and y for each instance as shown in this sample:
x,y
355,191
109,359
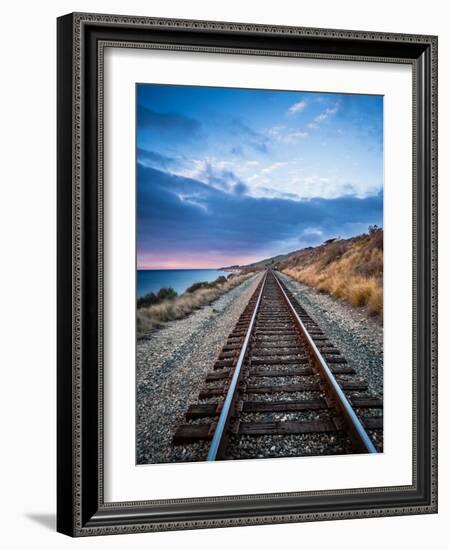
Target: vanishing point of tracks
x,y
280,388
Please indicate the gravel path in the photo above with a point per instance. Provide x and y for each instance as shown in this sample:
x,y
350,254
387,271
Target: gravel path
x,y
171,368
358,336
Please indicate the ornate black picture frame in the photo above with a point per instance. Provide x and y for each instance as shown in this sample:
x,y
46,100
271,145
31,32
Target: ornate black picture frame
x,y
81,509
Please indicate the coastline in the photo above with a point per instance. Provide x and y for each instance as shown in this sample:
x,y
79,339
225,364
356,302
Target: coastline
x,y
171,366
160,310
152,280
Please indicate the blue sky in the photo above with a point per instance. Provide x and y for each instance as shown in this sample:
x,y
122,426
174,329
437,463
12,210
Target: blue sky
x,y
228,176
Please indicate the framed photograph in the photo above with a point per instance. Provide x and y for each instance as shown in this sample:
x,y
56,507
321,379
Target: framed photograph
x,y
247,277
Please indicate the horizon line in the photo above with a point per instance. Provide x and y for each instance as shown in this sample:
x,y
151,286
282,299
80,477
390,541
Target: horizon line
x,y
255,261
180,268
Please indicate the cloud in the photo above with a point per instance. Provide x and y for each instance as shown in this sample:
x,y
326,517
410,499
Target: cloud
x,y
256,140
216,174
272,167
331,187
312,231
213,173
193,199
321,117
294,137
286,180
330,111
177,215
297,107
153,159
173,124
259,179
286,135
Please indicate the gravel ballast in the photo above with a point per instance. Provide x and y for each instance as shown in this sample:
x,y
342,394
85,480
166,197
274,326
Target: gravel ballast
x,y
172,364
358,336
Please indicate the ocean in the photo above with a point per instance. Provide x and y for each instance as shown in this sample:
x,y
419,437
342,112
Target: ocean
x,y
151,280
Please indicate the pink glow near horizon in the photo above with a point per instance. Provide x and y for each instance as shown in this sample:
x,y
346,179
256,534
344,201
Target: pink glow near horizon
x,y
213,262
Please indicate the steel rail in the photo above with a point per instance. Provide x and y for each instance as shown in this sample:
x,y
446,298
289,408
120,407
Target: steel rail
x,y
342,402
221,424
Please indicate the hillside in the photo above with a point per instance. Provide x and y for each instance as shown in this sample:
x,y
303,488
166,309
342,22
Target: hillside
x,y
350,269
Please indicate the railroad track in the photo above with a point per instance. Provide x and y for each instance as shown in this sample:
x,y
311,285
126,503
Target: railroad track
x,y
281,388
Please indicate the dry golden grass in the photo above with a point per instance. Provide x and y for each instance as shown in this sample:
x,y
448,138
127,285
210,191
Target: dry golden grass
x,y
350,269
154,316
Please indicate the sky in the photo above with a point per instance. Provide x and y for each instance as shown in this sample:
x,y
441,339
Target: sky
x,y
230,176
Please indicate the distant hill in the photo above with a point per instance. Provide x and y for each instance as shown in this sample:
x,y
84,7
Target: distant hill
x,y
351,269
257,265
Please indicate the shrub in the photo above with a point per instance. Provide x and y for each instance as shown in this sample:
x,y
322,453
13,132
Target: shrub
x,y
350,269
147,300
376,302
197,286
376,238
204,284
151,298
360,293
333,251
176,307
166,294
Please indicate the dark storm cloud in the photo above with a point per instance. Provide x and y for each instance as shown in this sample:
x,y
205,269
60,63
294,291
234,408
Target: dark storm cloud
x,y
167,123
178,213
